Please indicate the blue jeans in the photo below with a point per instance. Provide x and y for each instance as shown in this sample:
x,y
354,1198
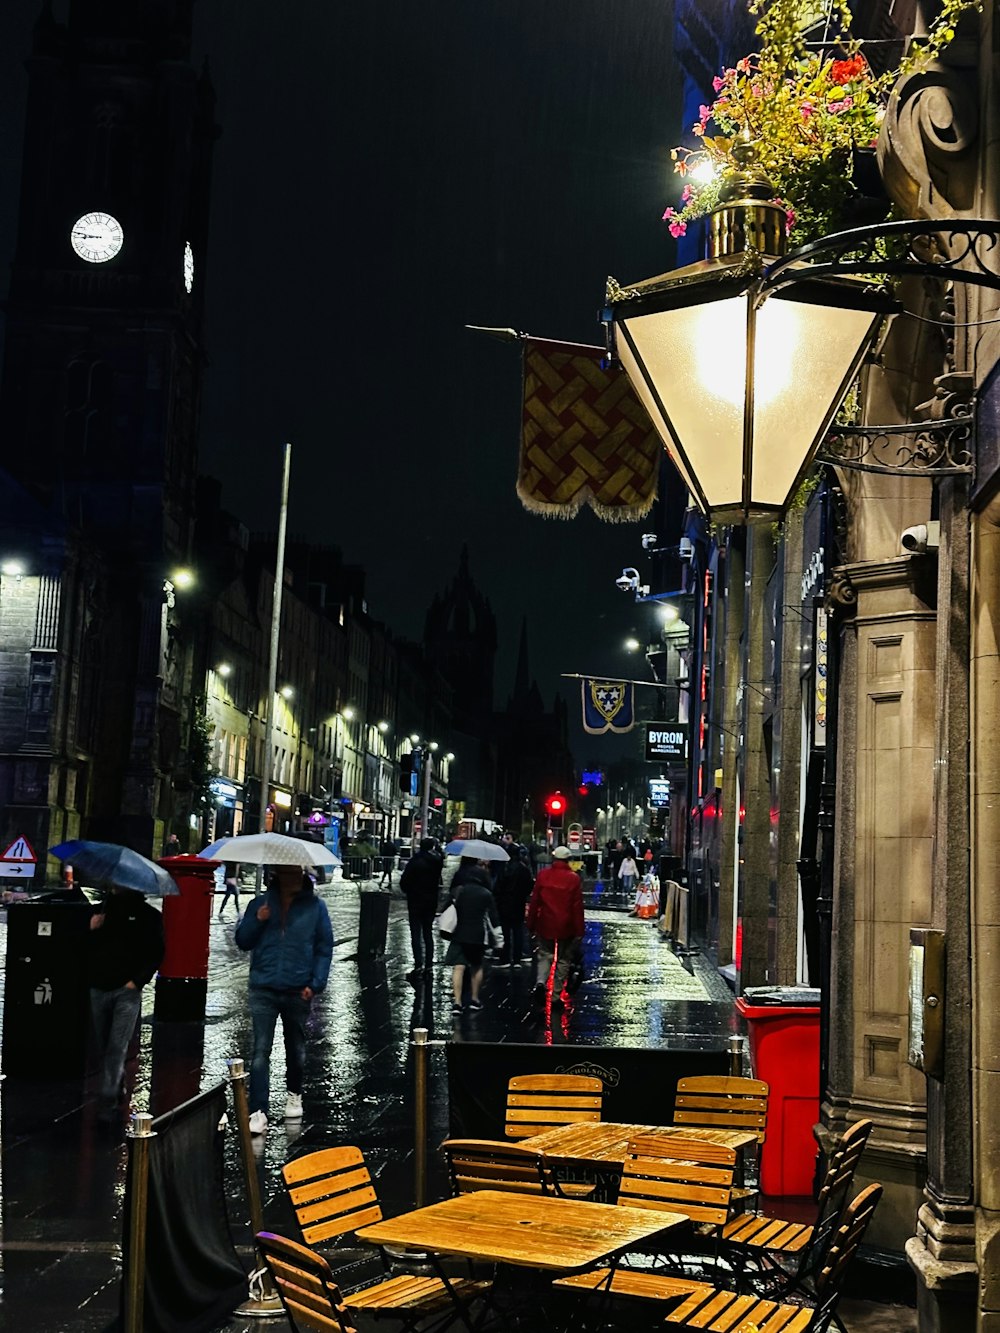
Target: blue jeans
x,y
266,1006
115,1014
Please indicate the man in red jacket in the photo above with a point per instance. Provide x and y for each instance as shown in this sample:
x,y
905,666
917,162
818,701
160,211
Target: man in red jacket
x,y
555,917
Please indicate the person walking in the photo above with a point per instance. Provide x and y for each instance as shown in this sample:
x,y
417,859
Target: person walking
x,y
387,851
475,905
232,884
512,889
287,933
420,883
628,873
126,948
555,916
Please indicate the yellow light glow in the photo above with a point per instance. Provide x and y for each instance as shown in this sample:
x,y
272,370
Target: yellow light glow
x,y
720,333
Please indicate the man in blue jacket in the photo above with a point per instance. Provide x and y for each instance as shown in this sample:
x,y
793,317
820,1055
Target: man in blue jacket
x,y
288,934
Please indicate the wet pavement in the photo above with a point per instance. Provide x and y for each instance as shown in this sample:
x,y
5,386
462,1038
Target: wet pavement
x,y
62,1174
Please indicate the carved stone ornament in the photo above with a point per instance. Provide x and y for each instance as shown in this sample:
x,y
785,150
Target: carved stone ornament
x,y
926,149
840,591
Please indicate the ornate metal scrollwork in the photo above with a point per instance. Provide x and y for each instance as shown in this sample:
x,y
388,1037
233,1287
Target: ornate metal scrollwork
x,y
924,448
956,250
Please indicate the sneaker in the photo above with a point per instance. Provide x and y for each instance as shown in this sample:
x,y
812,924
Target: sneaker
x,y
475,1004
456,1009
293,1106
258,1123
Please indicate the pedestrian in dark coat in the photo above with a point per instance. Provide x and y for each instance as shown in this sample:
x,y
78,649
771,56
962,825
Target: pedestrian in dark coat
x,y
555,915
475,905
512,889
126,948
421,885
287,932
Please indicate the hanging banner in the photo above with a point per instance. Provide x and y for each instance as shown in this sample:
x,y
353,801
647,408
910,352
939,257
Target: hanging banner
x,y
585,436
608,705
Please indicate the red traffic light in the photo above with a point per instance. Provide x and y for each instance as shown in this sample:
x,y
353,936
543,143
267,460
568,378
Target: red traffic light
x,y
555,805
583,789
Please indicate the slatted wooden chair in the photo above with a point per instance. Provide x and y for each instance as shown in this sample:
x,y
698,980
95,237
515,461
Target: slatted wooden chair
x,y
711,1101
537,1102
679,1303
775,1256
332,1194
304,1281
489,1164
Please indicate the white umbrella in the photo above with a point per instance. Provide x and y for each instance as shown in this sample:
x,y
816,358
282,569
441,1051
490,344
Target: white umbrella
x,y
269,849
477,847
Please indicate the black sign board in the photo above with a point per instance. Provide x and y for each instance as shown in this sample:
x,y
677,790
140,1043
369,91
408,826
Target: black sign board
x,y
666,740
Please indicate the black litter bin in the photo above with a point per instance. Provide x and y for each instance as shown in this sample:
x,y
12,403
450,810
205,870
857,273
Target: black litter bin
x,y
373,923
46,998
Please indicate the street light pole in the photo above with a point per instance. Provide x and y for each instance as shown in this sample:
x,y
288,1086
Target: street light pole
x,y
272,670
425,800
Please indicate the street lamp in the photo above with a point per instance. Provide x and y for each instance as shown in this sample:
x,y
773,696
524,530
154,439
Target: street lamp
x,y
742,371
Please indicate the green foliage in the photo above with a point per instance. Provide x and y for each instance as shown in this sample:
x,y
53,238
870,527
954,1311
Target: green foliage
x,y
200,766
805,111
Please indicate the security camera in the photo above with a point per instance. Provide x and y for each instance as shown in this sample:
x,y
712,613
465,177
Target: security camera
x,y
649,540
627,579
921,538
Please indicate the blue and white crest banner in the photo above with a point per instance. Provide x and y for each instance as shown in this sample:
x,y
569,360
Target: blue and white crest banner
x,y
608,705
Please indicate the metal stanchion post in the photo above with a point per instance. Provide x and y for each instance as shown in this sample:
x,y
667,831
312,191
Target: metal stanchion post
x,y
736,1056
420,1053
263,1301
139,1134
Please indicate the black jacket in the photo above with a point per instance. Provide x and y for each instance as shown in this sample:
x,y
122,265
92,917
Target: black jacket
x,y
421,880
129,946
512,889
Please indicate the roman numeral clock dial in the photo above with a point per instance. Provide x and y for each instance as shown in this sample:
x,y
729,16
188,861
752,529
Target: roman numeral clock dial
x,y
97,237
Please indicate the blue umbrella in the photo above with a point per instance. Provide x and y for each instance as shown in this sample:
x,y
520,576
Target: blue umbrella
x,y
107,863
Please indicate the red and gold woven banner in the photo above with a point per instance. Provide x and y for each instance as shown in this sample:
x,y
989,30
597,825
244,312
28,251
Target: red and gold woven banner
x,y
585,437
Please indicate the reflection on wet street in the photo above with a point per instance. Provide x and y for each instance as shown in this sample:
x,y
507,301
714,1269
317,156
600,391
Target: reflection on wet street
x,y
62,1174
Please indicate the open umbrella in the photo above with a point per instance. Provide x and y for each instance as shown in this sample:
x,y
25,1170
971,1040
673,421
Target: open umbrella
x,y
269,849
477,847
103,863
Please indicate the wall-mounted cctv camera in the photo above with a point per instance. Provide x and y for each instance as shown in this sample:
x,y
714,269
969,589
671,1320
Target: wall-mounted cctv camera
x,y
922,537
649,540
627,579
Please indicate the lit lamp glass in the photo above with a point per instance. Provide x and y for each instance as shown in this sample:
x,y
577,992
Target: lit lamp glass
x,y
741,382
286,692
632,645
224,669
347,714
182,578
383,727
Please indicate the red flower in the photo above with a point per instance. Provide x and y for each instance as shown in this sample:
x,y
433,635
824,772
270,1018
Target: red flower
x,y
843,71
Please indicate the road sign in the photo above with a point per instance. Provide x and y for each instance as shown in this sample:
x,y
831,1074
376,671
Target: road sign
x,y
17,869
19,850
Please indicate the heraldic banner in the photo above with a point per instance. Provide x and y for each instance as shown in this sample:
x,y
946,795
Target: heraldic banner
x,y
585,437
608,705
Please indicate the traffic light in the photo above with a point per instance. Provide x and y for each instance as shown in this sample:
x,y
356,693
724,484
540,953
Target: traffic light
x,y
406,772
555,805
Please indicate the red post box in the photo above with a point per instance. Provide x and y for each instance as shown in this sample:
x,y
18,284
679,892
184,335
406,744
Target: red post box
x,y
784,1052
182,983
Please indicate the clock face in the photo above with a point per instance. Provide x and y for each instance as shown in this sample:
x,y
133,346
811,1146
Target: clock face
x,y
97,237
188,267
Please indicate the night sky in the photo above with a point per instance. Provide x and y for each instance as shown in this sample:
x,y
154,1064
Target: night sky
x,y
388,172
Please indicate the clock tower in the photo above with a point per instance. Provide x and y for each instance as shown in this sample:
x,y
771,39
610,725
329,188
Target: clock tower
x,y
99,404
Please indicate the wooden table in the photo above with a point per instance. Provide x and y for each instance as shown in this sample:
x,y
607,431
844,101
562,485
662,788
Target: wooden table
x,y
526,1231
600,1145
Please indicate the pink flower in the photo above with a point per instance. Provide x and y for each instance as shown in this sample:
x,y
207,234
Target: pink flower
x,y
806,109
698,128
743,66
789,219
835,108
704,114
718,83
677,229
668,214
686,194
756,89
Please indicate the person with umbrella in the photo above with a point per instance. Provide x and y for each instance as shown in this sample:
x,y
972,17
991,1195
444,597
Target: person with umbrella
x,y
475,905
288,935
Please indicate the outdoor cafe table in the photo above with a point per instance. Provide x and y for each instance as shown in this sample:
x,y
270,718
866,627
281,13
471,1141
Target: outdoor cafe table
x,y
600,1146
524,1230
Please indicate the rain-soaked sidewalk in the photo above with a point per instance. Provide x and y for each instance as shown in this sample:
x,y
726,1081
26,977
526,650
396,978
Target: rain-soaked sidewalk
x,y
62,1175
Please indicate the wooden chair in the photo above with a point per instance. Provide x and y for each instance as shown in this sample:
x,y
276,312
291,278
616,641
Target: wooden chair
x,y
488,1164
332,1194
537,1102
777,1256
310,1296
700,1305
680,1175
711,1101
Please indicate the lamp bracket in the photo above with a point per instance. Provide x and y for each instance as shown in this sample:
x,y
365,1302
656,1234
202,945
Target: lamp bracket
x,y
959,250
939,448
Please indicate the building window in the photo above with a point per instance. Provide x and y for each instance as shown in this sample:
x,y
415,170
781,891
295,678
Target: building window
x,y
40,684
